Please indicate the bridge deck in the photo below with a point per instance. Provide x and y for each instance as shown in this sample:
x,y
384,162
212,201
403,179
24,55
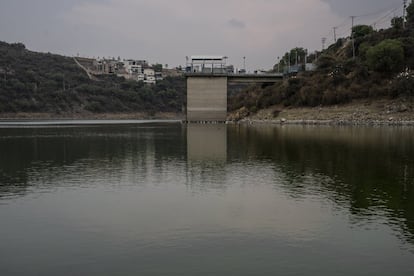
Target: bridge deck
x,y
240,78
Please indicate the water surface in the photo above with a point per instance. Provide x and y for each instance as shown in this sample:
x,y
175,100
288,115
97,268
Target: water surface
x,y
171,199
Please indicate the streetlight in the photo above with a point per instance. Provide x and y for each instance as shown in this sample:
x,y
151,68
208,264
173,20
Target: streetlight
x,y
296,51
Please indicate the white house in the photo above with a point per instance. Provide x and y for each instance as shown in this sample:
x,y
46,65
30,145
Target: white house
x,y
134,66
158,76
149,74
139,70
140,77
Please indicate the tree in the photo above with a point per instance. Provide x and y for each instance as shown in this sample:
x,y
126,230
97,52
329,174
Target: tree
x,y
326,62
408,45
362,50
397,23
361,30
296,54
157,67
312,57
410,14
386,57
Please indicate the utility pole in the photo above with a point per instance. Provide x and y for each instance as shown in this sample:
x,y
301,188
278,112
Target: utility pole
x,y
334,33
244,64
306,56
296,56
404,9
352,37
323,43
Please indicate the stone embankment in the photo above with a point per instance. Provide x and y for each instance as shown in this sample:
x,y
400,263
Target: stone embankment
x,y
363,112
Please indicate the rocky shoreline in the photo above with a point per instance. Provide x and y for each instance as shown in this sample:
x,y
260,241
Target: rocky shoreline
x,y
358,113
328,122
379,112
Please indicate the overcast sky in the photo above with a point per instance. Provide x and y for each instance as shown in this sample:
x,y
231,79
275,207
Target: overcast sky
x,y
166,31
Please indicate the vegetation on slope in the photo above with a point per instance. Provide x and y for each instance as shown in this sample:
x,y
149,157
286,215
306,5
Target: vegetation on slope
x,y
47,83
381,68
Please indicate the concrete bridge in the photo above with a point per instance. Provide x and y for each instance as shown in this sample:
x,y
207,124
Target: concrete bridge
x,y
207,93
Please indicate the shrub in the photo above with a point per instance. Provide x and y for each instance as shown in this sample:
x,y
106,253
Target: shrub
x,y
386,57
410,14
361,31
326,62
403,86
363,49
397,23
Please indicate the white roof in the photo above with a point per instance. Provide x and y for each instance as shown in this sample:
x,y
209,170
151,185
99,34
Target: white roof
x,y
207,57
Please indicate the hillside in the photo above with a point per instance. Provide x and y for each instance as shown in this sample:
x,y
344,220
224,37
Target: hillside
x,y
33,82
379,72
378,77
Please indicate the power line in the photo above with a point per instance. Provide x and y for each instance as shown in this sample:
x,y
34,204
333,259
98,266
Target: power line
x,y
377,12
345,30
391,8
386,16
343,23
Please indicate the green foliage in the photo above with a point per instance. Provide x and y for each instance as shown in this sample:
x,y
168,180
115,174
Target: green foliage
x,y
337,45
361,31
290,57
363,49
386,57
408,45
326,62
157,67
341,78
410,14
35,82
312,57
403,86
397,23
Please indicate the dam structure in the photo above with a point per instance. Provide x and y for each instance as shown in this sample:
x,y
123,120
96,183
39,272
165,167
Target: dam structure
x,y
207,82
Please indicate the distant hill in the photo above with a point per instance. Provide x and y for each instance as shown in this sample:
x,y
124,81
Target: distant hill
x,y
32,82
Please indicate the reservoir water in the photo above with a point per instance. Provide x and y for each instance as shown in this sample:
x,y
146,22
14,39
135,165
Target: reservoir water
x,y
170,199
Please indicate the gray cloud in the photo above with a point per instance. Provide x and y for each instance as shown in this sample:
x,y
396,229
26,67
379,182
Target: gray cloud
x,y
167,31
236,24
359,7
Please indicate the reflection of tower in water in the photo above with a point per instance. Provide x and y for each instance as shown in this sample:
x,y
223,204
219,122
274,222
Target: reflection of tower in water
x,y
207,142
206,157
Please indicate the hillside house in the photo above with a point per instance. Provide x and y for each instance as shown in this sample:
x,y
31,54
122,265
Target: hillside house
x,y
134,66
149,74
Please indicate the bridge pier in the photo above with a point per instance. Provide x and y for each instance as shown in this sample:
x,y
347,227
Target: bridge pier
x,y
206,98
207,93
